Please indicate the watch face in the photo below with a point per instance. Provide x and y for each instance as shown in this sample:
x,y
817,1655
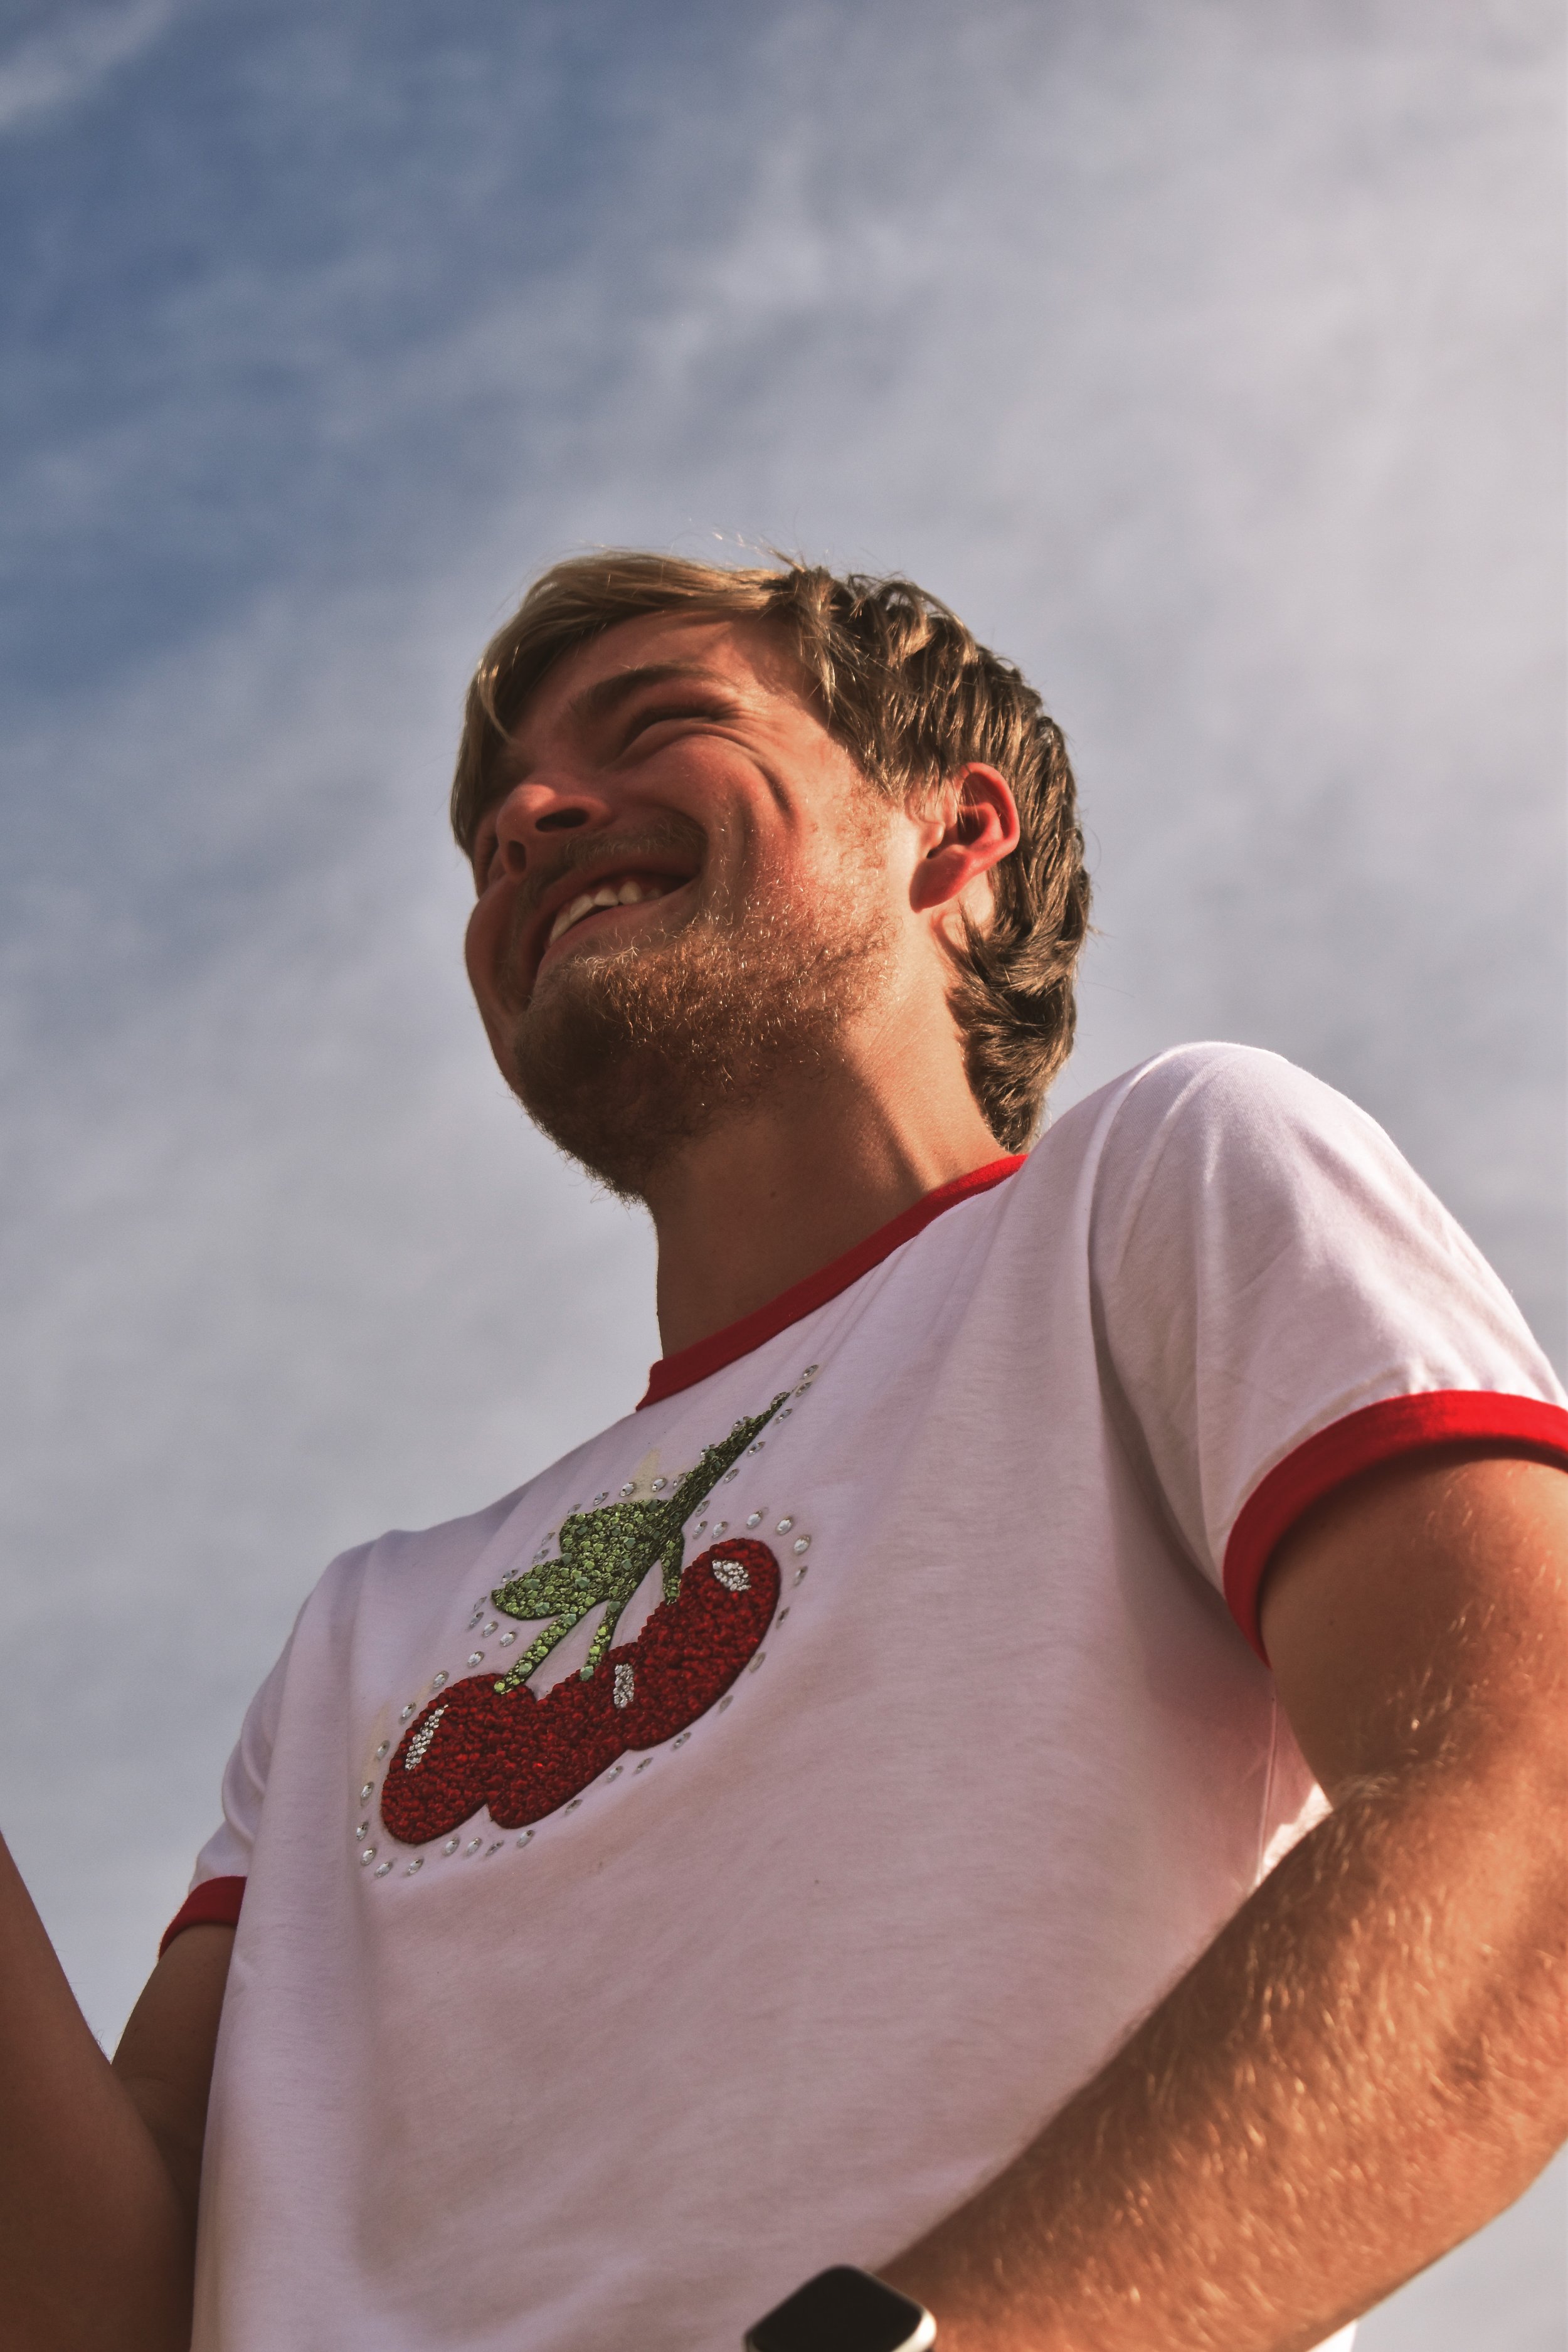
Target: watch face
x,y
844,2310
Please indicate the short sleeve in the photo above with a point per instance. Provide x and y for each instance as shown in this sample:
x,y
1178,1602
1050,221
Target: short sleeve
x,y
223,1865
1280,1302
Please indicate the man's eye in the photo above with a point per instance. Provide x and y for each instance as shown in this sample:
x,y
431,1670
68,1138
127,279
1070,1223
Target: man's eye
x,y
646,719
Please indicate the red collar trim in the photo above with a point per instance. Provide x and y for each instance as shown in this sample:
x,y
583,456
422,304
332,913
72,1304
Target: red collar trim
x,y
690,1365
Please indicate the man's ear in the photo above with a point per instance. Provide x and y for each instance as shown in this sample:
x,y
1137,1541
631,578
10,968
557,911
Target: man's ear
x,y
972,826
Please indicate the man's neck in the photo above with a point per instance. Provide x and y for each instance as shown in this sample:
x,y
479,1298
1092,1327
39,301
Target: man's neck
x,y
783,1189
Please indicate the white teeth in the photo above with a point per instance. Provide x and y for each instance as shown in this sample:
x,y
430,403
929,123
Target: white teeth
x,y
629,893
570,915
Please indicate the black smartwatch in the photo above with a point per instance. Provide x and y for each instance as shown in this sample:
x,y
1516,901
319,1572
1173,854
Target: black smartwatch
x,y
844,2310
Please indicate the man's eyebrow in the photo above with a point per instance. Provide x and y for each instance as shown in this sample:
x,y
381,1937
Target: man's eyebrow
x,y
607,694
598,701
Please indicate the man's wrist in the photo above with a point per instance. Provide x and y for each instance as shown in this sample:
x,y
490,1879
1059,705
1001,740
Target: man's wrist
x,y
844,2310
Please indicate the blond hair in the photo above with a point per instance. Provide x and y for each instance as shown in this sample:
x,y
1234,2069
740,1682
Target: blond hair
x,y
911,695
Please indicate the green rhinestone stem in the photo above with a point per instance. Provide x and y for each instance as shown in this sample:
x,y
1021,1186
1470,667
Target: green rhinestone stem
x,y
606,1554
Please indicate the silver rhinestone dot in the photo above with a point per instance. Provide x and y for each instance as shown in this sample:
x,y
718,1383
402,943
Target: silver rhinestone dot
x,y
408,1710
573,1804
526,1837
644,1765
720,1525
786,1413
603,1496
680,1739
800,1571
450,1846
783,1526
506,1641
723,1702
811,1371
436,1680
615,1771
367,1792
362,1831
660,1485
757,1447
755,1520
475,1657
800,1543
491,1626
729,1477
756,1662
494,1849
700,1525
782,1615
473,1845
368,1855
417,1864
382,1749
381,1870
626,1489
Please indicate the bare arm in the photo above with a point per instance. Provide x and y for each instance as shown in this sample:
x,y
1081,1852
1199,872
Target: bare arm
x,y
100,2163
1370,2060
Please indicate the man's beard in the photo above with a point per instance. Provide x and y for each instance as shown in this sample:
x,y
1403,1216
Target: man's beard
x,y
625,1059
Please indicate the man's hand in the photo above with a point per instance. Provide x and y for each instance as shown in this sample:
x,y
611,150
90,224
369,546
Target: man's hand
x,y
99,2165
1372,2058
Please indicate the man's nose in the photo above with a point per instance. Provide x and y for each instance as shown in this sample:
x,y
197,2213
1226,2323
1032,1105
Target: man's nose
x,y
536,810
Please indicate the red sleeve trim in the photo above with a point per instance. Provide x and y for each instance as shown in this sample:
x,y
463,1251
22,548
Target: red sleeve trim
x,y
213,1904
690,1365
1378,1433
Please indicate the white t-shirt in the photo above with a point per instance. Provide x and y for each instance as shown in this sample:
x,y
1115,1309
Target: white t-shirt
x,y
925,1755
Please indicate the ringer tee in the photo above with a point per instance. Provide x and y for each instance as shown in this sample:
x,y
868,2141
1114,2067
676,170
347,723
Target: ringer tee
x,y
721,1856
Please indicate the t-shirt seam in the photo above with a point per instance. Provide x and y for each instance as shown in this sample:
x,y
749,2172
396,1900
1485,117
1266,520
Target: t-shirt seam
x,y
1271,1773
1140,1460
834,1298
1154,1157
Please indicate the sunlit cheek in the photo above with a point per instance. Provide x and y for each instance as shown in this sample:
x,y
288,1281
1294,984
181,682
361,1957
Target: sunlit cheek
x,y
483,945
473,946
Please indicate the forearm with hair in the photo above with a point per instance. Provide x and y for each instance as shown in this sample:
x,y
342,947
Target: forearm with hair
x,y
1365,2066
97,2193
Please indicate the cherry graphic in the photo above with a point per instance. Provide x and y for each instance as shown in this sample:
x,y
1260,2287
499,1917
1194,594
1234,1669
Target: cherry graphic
x,y
524,1757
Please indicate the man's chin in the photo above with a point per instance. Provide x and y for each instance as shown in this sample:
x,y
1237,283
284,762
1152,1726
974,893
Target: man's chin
x,y
620,1071
626,1061
623,1119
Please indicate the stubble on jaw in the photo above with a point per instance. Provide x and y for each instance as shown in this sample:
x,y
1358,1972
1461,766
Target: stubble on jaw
x,y
627,1059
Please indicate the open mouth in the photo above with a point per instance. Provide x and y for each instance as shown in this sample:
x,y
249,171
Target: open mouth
x,y
630,891
605,897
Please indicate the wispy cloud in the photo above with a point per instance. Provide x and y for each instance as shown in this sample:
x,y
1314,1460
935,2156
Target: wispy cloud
x,y
1201,357
1209,360
70,58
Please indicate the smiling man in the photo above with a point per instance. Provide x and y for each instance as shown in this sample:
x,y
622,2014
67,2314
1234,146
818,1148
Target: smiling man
x,y
1031,1763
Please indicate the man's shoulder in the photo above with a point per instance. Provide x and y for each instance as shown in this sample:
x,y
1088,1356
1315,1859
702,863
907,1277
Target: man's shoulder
x,y
1213,1070
1202,1087
470,1532
401,1555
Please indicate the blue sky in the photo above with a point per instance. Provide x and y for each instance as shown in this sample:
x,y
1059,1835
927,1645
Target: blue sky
x,y
1208,358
